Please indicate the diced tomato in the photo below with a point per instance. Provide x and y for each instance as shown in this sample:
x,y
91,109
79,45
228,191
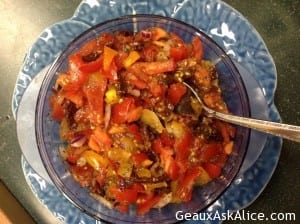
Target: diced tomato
x,y
126,195
126,111
208,151
146,205
78,66
156,67
149,52
197,49
135,81
120,110
74,154
102,140
75,97
157,146
95,91
173,169
167,139
138,158
186,182
182,146
138,187
213,170
156,89
90,47
134,114
134,129
178,53
57,110
176,92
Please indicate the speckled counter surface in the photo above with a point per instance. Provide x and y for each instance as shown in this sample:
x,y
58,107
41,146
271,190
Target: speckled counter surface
x,y
277,21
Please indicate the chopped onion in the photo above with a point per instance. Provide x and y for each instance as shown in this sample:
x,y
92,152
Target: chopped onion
x,y
134,92
107,115
146,34
78,140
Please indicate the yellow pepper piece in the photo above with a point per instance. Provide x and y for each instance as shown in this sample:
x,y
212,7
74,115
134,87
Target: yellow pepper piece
x,y
143,172
228,147
151,186
150,118
109,55
176,128
132,57
125,169
204,178
94,159
111,96
118,155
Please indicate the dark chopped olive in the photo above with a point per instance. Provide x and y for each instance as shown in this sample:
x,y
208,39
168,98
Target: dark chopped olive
x,y
91,57
184,105
162,190
69,110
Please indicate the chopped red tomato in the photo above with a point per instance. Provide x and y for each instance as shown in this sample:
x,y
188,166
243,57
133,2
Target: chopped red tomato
x,y
126,111
172,168
149,52
94,92
146,205
156,67
185,185
138,158
156,89
124,196
213,170
182,145
167,139
100,140
134,129
197,48
175,92
208,151
56,106
79,67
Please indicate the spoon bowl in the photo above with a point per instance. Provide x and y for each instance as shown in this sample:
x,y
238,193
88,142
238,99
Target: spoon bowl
x,y
287,131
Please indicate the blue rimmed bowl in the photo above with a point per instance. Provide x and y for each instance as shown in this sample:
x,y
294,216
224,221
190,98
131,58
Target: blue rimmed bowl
x,y
47,129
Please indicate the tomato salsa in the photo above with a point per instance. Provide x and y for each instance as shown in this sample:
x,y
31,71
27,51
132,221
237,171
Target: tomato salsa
x,y
133,133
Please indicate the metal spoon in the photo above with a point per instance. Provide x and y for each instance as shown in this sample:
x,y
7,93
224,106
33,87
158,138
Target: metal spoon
x,y
287,131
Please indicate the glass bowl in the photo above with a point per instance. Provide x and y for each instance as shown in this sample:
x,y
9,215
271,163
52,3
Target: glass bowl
x,y
47,129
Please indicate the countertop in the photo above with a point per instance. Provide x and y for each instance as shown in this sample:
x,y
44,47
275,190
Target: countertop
x,y
278,23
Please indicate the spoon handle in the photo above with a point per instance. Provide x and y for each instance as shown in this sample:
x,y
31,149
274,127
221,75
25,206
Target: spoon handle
x,y
287,131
